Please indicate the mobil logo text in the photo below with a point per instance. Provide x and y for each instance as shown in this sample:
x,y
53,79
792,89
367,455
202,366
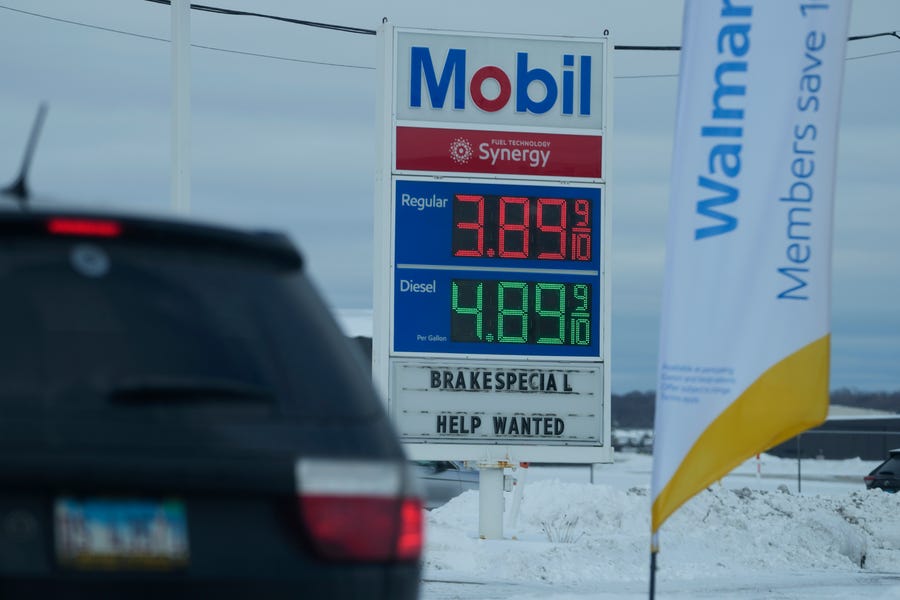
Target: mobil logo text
x,y
446,79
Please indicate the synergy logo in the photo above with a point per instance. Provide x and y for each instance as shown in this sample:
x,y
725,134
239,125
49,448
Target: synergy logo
x,y
534,90
534,153
460,150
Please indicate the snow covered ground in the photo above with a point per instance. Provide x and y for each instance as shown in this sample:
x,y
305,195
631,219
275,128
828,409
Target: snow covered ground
x,y
752,535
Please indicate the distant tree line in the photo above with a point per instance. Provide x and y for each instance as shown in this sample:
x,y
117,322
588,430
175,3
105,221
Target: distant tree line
x,y
635,410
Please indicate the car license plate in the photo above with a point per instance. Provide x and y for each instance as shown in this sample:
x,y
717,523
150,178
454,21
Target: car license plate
x,y
121,533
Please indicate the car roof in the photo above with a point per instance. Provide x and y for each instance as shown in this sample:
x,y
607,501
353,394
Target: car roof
x,y
167,229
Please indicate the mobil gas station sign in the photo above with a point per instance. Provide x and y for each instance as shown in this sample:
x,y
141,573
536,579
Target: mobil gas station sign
x,y
491,244
449,87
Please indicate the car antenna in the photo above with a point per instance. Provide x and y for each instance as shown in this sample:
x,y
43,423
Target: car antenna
x,y
19,187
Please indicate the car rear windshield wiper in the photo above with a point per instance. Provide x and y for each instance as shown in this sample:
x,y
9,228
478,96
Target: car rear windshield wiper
x,y
187,389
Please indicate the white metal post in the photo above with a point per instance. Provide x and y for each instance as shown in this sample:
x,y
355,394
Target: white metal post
x,y
181,105
490,501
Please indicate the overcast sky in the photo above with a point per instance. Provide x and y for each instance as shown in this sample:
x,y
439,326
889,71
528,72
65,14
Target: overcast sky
x,y
288,142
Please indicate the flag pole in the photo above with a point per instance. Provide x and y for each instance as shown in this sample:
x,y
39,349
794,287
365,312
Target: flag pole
x,y
654,550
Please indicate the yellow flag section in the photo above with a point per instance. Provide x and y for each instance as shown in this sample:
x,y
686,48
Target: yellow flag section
x,y
744,338
789,398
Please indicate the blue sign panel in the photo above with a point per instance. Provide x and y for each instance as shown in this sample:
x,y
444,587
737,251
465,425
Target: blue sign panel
x,y
497,269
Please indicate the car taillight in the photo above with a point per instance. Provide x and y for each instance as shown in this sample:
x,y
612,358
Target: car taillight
x,y
869,478
359,510
84,227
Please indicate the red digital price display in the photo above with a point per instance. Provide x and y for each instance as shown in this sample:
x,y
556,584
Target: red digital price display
x,y
520,312
522,227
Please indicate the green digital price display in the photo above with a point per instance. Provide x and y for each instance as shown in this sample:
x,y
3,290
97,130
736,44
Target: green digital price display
x,y
507,311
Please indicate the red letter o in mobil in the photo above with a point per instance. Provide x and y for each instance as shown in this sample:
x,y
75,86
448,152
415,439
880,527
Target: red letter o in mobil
x,y
502,79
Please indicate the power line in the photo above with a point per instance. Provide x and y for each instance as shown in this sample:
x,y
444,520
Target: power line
x,y
646,76
854,38
242,13
159,39
358,30
286,58
873,54
88,25
662,75
647,48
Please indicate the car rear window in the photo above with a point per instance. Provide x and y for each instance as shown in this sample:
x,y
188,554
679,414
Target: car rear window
x,y
891,465
83,320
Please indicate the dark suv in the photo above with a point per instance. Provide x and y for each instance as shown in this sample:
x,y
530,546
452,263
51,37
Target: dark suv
x,y
181,416
886,476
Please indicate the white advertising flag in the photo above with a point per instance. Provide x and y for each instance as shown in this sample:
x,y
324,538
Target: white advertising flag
x,y
744,340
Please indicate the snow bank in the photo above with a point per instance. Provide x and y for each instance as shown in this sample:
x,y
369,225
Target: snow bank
x,y
574,534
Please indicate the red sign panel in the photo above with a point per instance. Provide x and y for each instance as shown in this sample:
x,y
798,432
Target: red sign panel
x,y
498,152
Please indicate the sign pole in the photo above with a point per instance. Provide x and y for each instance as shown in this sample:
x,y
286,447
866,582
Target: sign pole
x,y
490,500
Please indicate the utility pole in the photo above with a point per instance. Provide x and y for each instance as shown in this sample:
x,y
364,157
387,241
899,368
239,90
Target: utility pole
x,y
181,106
